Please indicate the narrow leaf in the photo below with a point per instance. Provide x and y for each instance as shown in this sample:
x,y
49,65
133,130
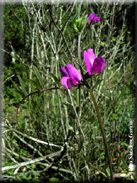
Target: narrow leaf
x,y
38,76
78,96
22,85
36,85
78,10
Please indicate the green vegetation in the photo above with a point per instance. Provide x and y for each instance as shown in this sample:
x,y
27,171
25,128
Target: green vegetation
x,y
41,135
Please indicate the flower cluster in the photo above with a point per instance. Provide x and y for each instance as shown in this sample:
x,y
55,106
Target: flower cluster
x,y
71,76
93,18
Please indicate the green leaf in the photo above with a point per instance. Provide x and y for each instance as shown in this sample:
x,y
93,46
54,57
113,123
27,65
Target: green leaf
x,y
114,39
53,179
38,76
14,141
33,166
128,32
78,96
22,85
79,9
16,87
78,25
108,171
102,43
35,179
34,83
124,144
24,176
65,179
55,79
19,179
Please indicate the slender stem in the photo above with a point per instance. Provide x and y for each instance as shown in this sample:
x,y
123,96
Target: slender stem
x,y
38,91
103,132
79,50
79,56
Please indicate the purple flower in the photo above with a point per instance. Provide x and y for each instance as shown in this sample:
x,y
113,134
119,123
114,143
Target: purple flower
x,y
70,76
93,64
93,18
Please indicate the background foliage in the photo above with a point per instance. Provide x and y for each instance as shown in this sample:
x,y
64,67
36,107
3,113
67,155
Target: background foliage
x,y
38,40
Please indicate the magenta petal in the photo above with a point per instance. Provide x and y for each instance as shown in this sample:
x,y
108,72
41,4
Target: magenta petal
x,y
94,20
67,82
92,55
91,17
98,19
98,65
74,82
73,73
88,61
63,71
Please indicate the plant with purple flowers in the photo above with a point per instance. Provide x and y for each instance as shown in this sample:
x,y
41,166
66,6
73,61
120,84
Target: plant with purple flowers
x,y
71,77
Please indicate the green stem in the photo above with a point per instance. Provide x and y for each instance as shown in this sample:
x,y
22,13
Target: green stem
x,y
79,56
102,131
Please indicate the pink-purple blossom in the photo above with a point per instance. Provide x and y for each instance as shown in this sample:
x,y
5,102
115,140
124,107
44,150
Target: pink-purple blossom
x,y
93,18
70,76
93,64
